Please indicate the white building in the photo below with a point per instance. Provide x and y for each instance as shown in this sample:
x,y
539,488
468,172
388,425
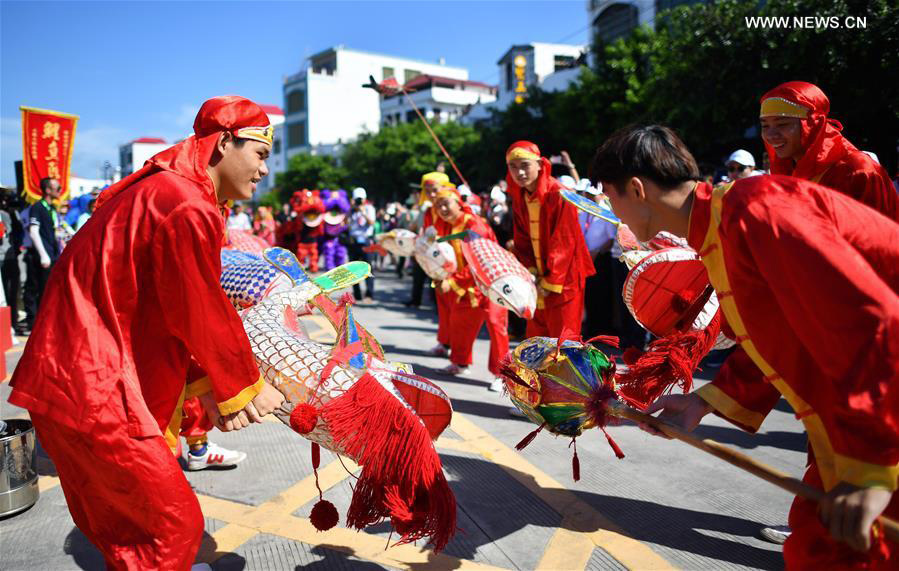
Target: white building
x,y
326,104
276,162
80,186
440,99
551,67
613,19
133,155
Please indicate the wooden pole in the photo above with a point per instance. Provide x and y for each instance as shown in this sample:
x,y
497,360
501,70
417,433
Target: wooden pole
x,y
735,458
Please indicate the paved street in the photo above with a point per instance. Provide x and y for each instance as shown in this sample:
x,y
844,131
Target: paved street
x,y
664,506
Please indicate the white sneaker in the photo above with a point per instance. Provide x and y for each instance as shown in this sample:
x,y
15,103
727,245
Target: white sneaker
x,y
215,456
454,369
776,533
497,385
438,350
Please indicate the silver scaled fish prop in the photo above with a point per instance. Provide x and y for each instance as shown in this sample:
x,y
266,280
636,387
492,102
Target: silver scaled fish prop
x,y
347,398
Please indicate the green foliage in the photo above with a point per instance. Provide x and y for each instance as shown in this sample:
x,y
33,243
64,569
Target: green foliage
x,y
272,200
309,171
386,163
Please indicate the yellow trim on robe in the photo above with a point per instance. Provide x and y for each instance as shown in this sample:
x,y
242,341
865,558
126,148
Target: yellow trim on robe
x,y
237,403
555,288
833,468
199,387
173,430
729,407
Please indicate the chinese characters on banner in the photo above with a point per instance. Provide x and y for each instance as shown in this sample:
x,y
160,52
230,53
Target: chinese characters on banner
x,y
521,89
47,139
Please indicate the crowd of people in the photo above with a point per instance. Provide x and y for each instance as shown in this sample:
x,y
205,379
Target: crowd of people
x,y
803,260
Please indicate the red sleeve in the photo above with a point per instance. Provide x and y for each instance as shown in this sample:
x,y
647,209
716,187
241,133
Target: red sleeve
x,y
521,236
874,188
830,265
565,244
740,393
187,266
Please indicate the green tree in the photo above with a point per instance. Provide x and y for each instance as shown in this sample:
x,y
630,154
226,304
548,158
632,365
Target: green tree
x,y
309,171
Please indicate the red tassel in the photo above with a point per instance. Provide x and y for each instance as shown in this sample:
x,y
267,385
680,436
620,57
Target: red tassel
x,y
613,444
402,477
669,361
347,299
303,418
316,459
575,463
529,438
609,340
324,515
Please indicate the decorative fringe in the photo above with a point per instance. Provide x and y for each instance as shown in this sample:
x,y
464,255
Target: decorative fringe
x,y
506,370
324,515
615,448
575,463
529,438
668,361
402,477
609,340
596,408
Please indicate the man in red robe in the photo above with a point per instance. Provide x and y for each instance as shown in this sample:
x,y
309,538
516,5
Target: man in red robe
x,y
430,184
548,241
803,142
468,308
134,295
808,280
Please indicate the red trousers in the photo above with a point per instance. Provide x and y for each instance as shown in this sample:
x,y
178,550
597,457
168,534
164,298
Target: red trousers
x,y
810,546
195,423
307,255
550,321
444,307
465,324
127,495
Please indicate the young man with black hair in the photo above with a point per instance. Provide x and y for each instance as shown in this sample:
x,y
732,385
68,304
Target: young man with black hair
x,y
808,280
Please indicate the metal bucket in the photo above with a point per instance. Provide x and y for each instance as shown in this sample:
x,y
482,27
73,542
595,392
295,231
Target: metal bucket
x,y
18,466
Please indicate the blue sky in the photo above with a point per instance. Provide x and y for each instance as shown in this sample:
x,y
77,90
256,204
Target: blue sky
x,y
132,69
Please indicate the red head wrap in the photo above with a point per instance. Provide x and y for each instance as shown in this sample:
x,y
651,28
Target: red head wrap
x,y
821,138
190,157
528,150
449,190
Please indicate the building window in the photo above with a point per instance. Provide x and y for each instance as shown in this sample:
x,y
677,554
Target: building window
x,y
410,116
276,146
410,74
615,22
387,72
510,76
296,134
325,65
436,118
296,101
564,62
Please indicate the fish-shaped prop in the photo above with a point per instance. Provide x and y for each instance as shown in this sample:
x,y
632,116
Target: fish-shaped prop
x,y
498,273
437,259
399,242
601,208
245,241
350,400
564,388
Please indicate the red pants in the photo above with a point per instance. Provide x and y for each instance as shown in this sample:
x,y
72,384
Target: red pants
x,y
550,321
127,495
307,255
465,324
445,305
810,546
195,424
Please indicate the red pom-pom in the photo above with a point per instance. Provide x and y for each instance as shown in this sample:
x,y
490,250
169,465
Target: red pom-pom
x,y
303,418
324,515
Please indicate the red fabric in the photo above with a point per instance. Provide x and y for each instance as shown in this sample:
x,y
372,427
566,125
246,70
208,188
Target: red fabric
x,y
128,495
307,255
815,277
810,546
195,423
190,157
444,307
563,252
121,311
550,322
830,156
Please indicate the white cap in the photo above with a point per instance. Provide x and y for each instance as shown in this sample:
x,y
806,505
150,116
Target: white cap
x,y
359,192
497,194
567,182
584,185
873,156
742,157
464,190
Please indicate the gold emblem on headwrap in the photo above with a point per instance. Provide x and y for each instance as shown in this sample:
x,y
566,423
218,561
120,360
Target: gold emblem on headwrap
x,y
780,107
261,134
520,153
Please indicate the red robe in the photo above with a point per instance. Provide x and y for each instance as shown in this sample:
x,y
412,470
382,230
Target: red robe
x,y
469,308
829,158
549,242
808,280
444,301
